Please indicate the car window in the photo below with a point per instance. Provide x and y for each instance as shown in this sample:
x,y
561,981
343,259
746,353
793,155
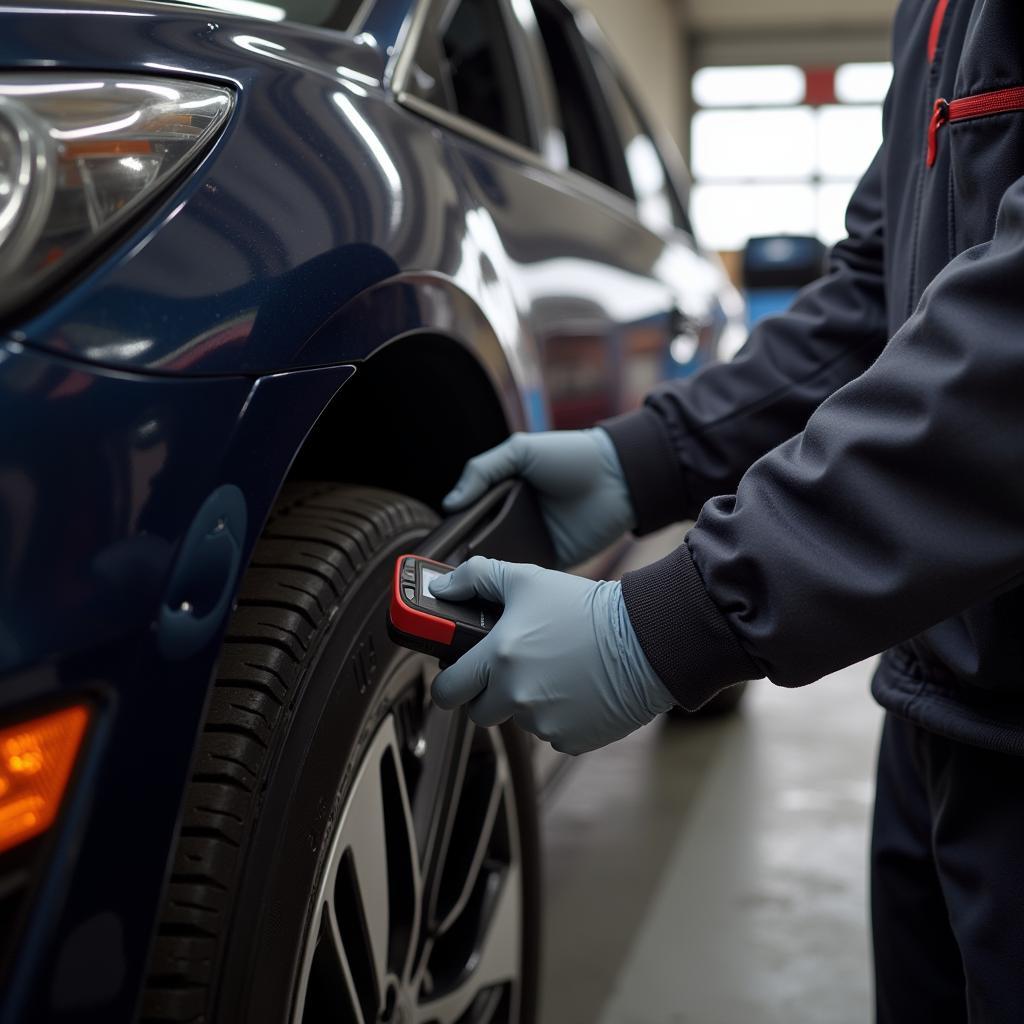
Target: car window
x,y
590,139
657,201
465,63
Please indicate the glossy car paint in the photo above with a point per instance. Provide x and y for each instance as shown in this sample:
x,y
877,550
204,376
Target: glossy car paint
x,y
100,481
200,349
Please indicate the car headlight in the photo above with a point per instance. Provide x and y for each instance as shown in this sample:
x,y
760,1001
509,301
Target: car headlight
x,y
80,153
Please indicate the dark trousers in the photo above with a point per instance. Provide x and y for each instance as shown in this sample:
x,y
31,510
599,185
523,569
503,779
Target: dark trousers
x,y
947,881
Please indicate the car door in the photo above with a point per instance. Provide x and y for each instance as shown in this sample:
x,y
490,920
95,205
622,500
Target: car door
x,y
547,180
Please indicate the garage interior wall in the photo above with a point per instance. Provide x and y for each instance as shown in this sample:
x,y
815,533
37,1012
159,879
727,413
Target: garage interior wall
x,y
811,33
670,39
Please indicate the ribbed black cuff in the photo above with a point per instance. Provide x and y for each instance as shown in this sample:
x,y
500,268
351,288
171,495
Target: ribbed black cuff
x,y
686,638
652,471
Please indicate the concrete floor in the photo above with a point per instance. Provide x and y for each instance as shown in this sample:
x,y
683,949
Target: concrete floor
x,y
714,872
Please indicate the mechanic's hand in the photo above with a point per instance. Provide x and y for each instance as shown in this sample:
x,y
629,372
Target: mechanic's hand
x,y
578,479
563,660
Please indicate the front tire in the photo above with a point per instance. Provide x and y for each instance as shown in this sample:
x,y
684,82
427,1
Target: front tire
x,y
348,851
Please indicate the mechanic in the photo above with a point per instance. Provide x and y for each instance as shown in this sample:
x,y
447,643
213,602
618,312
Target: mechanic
x,y
857,476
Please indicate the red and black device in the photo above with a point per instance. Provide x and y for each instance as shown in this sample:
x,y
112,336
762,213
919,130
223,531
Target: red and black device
x,y
421,622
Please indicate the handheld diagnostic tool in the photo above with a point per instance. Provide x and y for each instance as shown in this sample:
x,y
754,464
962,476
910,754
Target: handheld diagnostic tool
x,y
419,621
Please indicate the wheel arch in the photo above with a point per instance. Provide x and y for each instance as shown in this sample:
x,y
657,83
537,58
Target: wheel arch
x,y
421,333
430,406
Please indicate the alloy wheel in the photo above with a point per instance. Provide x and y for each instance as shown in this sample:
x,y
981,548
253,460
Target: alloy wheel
x,y
418,916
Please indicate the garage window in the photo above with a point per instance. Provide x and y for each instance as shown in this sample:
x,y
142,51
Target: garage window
x,y
779,150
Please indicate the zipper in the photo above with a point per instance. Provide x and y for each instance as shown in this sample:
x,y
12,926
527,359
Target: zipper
x,y
1002,101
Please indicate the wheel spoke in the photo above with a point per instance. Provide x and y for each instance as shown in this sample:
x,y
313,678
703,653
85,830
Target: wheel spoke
x,y
406,882
497,960
448,736
333,935
469,878
358,891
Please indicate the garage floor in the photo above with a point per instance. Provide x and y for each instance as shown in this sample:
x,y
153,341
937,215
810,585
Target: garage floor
x,y
714,872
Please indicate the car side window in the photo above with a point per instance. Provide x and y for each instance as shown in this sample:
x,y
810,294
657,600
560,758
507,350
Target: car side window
x,y
465,63
482,69
590,138
658,203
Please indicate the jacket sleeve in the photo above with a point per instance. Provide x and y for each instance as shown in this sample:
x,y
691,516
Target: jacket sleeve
x,y
900,504
694,439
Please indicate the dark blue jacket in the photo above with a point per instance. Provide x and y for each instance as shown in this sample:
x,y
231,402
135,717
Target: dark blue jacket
x,y
859,469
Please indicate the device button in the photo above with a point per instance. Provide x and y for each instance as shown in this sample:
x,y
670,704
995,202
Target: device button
x,y
409,573
409,593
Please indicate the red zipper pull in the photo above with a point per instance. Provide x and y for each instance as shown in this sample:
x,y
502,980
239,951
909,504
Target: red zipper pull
x,y
940,115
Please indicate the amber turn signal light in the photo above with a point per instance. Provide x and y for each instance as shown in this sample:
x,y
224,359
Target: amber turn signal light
x,y
36,758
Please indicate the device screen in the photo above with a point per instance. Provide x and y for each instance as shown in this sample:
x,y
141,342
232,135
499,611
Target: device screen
x,y
473,613
427,576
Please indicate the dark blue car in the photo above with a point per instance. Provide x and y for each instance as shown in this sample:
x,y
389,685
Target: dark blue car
x,y
268,277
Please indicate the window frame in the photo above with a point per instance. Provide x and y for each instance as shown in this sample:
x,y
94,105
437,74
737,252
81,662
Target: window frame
x,y
422,20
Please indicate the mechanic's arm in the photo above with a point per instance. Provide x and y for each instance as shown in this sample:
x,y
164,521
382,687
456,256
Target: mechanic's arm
x,y
900,504
695,438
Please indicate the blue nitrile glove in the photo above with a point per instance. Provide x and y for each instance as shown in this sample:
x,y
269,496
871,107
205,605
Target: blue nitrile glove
x,y
562,661
578,478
